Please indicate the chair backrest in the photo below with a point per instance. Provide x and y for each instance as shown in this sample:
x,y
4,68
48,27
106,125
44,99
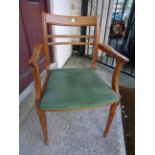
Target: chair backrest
x,y
60,21
72,21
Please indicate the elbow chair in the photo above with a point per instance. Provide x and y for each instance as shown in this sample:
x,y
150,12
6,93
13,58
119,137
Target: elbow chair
x,y
73,89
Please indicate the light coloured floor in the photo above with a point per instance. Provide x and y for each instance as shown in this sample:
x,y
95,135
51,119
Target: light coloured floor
x,y
72,133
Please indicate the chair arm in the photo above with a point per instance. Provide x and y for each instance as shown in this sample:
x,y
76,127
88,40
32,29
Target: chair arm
x,y
35,54
110,51
120,60
33,62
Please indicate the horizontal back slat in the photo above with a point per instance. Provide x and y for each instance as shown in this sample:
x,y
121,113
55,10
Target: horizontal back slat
x,y
70,20
69,36
77,21
71,43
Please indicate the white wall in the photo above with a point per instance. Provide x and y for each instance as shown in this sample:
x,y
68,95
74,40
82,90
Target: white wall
x,y
61,52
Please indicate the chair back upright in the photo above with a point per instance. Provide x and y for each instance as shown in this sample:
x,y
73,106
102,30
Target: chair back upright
x,y
72,21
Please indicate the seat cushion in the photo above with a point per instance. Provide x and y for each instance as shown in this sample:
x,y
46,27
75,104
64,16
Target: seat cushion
x,y
76,88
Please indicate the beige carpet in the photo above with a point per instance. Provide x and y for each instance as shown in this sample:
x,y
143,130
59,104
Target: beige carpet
x,y
72,133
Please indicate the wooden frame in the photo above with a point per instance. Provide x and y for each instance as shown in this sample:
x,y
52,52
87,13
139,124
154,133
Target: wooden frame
x,y
71,21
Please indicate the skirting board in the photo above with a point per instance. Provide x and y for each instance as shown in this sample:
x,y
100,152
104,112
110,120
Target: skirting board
x,y
30,87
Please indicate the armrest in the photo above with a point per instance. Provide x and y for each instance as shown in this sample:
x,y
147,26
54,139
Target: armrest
x,y
35,54
120,60
34,63
110,51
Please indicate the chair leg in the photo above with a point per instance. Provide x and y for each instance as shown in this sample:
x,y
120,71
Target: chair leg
x,y
110,117
43,123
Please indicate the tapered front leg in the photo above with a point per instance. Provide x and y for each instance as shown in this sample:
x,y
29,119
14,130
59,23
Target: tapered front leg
x,y
110,117
43,123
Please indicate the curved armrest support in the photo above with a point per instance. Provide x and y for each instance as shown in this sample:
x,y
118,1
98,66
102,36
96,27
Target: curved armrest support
x,y
120,60
116,75
34,63
35,54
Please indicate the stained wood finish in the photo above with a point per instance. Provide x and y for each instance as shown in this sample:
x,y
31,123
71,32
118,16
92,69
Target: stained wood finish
x,y
112,52
112,112
67,21
97,44
38,49
35,68
43,122
70,20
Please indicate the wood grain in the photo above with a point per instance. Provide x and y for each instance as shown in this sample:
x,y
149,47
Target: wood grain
x,y
112,52
70,20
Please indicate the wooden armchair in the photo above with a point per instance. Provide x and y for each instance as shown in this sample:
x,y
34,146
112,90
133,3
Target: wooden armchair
x,y
73,89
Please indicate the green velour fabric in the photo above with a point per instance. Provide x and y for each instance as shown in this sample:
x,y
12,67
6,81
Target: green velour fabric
x,y
75,88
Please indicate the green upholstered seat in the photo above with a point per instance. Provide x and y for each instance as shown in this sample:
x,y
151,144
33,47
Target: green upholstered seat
x,y
75,88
